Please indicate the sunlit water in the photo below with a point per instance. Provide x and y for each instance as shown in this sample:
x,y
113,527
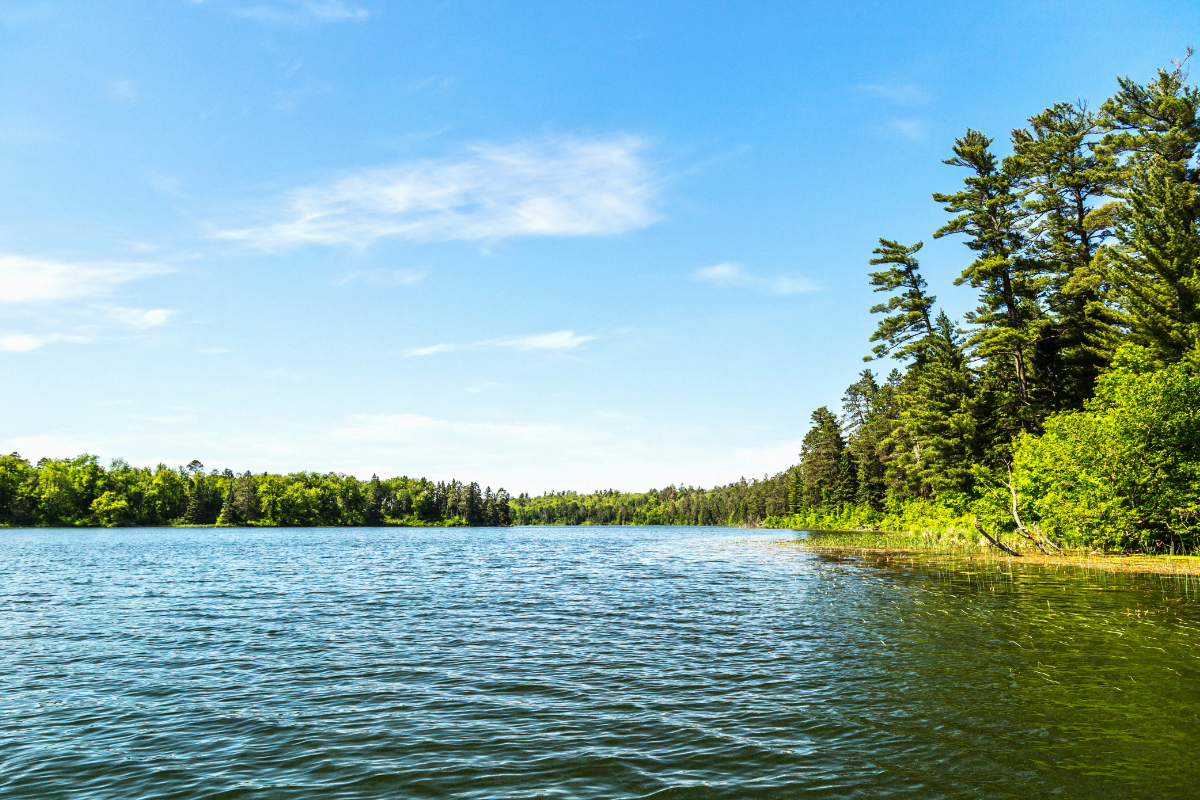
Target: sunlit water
x,y
576,663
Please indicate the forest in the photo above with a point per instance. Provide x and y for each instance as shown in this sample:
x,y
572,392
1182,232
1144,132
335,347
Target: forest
x,y
1064,408
79,491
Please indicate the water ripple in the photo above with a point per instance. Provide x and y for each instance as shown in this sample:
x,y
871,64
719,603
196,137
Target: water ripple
x,y
574,663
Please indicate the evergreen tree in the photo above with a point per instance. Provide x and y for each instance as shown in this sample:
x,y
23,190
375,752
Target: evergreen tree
x,y
373,508
1064,177
472,505
1155,266
864,406
229,515
990,213
503,508
795,492
946,416
1155,124
488,517
906,322
827,466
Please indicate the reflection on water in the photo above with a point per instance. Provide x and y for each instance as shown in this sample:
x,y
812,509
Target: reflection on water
x,y
577,662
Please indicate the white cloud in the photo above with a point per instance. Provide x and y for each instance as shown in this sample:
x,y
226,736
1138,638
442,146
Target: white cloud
x,y
786,285
556,341
731,274
34,280
167,185
435,348
562,186
384,427
39,282
138,317
559,340
721,273
24,342
122,90
384,277
299,12
911,129
904,94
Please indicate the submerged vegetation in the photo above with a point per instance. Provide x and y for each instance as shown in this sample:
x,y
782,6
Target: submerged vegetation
x,y
954,550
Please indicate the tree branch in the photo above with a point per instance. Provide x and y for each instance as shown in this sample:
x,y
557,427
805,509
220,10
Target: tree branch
x,y
995,541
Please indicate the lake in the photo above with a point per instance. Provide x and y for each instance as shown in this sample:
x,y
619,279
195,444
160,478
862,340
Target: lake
x,y
577,663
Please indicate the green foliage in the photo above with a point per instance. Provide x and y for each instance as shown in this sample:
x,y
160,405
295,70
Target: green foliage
x,y
989,212
79,492
1155,266
1125,471
1067,281
1064,176
828,471
906,322
740,503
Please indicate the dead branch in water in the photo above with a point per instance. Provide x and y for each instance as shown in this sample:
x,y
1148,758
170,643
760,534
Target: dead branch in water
x,y
995,541
1033,534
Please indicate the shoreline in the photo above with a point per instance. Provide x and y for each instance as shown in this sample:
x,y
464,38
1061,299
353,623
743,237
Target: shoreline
x,y
1091,560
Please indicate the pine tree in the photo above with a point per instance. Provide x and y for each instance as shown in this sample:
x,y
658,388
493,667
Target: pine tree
x,y
488,515
229,515
503,508
945,414
1155,124
1155,266
795,492
901,332
373,508
472,505
1064,177
826,464
866,424
990,213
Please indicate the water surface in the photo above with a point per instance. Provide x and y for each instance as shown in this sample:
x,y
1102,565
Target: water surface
x,y
577,663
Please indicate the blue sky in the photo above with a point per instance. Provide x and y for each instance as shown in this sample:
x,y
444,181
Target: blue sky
x,y
537,245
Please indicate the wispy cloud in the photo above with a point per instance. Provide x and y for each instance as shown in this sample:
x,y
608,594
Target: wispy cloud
x,y
907,95
24,342
35,280
903,94
911,129
563,186
300,12
375,426
122,90
35,284
141,318
166,185
731,274
383,277
559,341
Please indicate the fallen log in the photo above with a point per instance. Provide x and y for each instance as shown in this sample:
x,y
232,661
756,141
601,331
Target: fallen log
x,y
995,541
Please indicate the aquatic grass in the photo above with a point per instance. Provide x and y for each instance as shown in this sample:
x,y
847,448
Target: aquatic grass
x,y
958,545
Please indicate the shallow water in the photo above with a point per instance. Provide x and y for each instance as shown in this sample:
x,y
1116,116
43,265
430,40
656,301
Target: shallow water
x,y
580,663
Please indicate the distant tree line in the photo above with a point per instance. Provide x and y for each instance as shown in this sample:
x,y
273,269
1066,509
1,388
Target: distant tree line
x,y
1067,406
80,492
740,503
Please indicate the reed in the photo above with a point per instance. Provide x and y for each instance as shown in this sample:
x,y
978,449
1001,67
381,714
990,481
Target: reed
x,y
958,545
